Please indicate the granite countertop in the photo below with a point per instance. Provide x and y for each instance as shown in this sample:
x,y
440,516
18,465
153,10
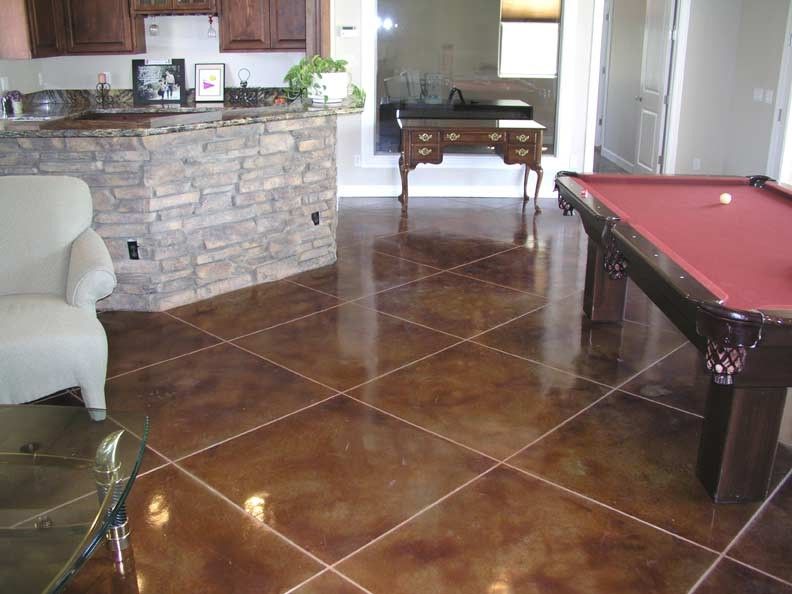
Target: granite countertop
x,y
65,120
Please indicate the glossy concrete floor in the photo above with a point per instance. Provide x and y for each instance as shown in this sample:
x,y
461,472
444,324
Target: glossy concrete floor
x,y
432,414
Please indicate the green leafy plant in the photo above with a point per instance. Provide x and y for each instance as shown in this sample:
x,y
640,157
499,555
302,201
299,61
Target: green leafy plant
x,y
358,96
300,77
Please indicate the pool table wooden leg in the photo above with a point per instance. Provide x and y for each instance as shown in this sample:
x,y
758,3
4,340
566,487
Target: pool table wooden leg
x,y
604,298
739,439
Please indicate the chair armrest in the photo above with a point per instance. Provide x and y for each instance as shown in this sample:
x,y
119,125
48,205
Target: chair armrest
x,y
91,275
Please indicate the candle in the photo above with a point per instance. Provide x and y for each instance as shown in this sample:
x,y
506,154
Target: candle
x,y
102,78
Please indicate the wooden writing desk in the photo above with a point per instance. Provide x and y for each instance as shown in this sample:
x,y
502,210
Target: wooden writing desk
x,y
516,141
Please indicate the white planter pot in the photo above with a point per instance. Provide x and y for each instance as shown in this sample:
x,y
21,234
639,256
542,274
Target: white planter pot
x,y
333,86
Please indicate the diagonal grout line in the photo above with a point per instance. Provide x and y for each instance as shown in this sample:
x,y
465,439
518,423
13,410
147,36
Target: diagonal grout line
x,y
264,525
757,570
422,428
742,531
406,321
279,324
503,251
608,507
660,403
206,348
387,373
282,366
488,282
256,428
416,514
612,391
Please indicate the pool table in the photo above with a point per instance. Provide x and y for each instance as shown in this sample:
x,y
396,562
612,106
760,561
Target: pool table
x,y
722,273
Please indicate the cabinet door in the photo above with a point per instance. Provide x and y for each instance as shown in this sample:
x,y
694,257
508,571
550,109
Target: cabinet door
x,y
99,26
244,25
195,6
150,6
45,19
287,24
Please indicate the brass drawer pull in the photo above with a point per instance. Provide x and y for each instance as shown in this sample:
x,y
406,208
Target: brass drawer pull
x,y
495,136
424,151
521,152
424,137
452,136
523,138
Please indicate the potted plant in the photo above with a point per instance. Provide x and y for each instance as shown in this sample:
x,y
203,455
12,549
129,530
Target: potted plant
x,y
319,79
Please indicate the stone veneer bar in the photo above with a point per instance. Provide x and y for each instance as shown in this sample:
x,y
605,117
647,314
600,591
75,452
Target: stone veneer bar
x,y
215,209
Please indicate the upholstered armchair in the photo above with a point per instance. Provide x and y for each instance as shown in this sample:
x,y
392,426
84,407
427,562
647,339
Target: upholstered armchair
x,y
53,270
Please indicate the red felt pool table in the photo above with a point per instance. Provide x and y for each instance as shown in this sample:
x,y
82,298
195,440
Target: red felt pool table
x,y
723,274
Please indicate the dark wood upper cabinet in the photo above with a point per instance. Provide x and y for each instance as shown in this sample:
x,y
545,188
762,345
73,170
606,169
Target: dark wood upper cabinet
x,y
262,25
102,27
287,24
244,25
45,21
174,6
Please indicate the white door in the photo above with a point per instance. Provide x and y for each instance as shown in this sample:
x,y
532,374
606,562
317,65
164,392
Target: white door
x,y
655,71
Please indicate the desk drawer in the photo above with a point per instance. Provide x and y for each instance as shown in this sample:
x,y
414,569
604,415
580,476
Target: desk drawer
x,y
523,154
425,154
523,137
451,137
424,136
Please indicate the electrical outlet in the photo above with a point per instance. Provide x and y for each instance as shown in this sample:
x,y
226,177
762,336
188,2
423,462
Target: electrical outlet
x,y
357,161
315,218
41,79
758,94
696,164
134,249
768,96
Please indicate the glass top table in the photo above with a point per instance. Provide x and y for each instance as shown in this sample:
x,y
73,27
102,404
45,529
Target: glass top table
x,y
65,473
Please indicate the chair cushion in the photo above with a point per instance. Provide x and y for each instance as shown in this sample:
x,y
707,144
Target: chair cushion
x,y
47,345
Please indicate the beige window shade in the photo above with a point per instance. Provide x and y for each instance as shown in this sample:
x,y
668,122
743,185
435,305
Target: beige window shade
x,y
536,11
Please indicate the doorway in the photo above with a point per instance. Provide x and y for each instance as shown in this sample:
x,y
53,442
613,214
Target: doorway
x,y
637,58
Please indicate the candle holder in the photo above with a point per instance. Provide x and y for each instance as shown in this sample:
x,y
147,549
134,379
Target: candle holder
x,y
103,95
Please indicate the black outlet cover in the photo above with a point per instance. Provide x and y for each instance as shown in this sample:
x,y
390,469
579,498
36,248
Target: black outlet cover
x,y
315,218
134,252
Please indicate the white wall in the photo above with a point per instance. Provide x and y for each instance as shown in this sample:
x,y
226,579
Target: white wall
x,y
361,173
758,64
179,37
620,120
734,46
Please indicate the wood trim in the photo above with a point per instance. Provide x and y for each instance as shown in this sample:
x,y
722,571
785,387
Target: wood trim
x,y
317,27
15,42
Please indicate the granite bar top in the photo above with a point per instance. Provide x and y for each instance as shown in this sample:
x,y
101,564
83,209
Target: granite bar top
x,y
68,120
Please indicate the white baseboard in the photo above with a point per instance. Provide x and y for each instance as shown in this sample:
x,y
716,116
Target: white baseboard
x,y
620,161
456,191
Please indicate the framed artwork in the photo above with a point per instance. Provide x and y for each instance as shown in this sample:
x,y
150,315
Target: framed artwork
x,y
159,82
209,82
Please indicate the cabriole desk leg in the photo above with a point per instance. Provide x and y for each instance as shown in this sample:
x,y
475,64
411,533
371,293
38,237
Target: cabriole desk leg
x,y
404,171
539,174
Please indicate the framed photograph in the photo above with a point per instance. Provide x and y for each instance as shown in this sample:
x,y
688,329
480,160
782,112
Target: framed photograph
x,y
209,82
159,82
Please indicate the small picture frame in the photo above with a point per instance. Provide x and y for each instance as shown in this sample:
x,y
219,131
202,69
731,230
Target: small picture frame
x,y
210,83
159,82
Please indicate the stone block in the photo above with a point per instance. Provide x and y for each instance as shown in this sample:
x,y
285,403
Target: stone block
x,y
207,273
161,203
164,173
120,167
218,218
224,286
179,187
156,142
276,143
174,264
310,145
218,180
165,302
218,237
42,144
268,183
133,193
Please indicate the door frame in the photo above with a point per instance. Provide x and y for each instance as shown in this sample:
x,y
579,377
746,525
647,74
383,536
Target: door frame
x,y
604,69
670,137
780,140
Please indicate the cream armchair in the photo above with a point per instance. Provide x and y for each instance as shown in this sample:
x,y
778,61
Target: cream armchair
x,y
53,270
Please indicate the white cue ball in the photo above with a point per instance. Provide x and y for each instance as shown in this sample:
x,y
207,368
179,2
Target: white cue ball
x,y
725,198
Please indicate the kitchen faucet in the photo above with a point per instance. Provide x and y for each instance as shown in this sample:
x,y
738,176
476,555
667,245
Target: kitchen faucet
x,y
456,91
